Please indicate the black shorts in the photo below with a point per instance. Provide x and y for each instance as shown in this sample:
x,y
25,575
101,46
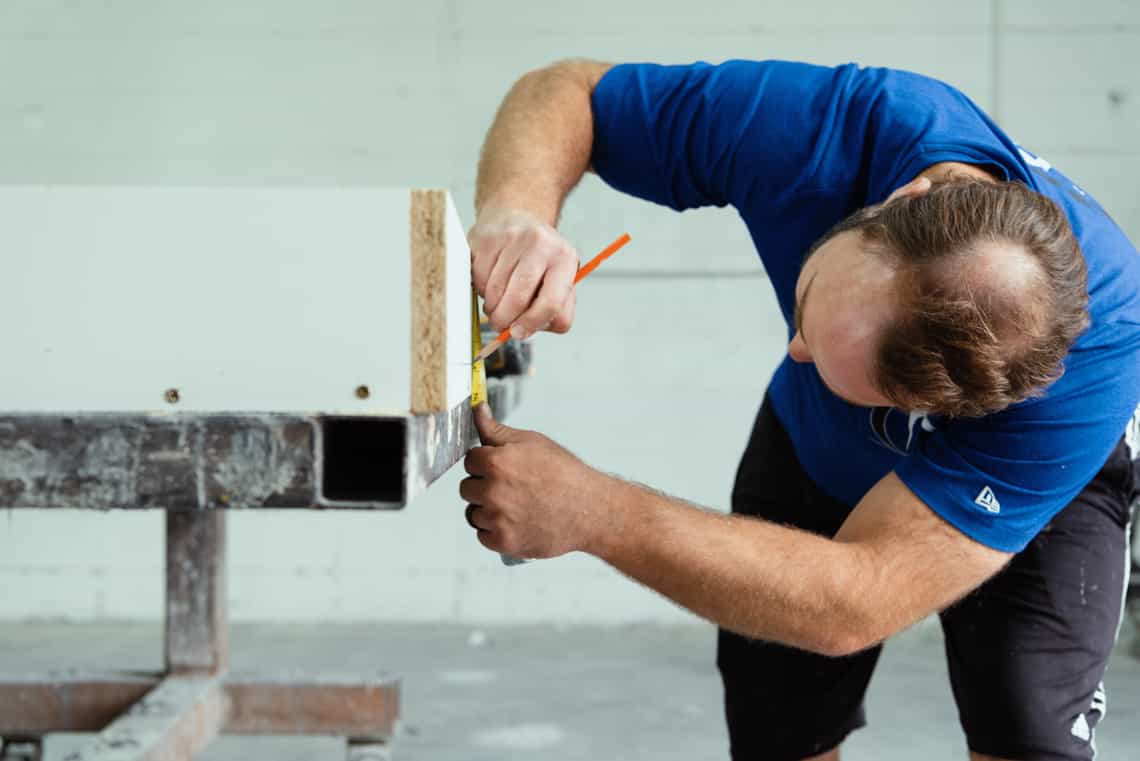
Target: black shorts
x,y
1026,651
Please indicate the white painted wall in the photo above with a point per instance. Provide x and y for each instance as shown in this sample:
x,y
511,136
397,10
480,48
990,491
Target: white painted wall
x,y
667,363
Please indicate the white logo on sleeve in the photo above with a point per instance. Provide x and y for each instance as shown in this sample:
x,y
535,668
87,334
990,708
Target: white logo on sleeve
x,y
987,500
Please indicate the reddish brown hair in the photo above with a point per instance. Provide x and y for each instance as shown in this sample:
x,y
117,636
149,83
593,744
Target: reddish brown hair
x,y
970,338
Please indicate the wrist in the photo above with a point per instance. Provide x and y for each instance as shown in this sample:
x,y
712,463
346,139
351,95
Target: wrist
x,y
507,203
613,504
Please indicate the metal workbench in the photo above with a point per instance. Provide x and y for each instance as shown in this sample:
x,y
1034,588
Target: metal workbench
x,y
197,468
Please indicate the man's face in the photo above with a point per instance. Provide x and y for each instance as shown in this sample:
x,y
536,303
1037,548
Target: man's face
x,y
845,295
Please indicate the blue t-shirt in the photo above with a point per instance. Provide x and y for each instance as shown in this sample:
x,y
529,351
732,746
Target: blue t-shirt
x,y
795,148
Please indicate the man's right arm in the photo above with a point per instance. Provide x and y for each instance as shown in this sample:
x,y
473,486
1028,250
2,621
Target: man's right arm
x,y
536,151
752,134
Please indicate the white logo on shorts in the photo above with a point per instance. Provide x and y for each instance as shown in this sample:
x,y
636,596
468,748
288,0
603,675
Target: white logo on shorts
x,y
1132,434
1080,728
987,500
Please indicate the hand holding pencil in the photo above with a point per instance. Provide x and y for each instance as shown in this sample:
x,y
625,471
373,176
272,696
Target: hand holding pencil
x,y
582,272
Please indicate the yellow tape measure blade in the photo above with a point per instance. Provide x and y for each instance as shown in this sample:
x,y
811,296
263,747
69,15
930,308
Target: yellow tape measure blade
x,y
478,371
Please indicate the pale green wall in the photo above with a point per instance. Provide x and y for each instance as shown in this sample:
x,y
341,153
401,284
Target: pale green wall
x,y
661,377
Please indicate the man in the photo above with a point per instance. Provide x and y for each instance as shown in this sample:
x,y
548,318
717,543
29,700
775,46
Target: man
x,y
945,434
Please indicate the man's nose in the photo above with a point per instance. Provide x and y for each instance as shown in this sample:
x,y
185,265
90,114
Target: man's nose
x,y
798,350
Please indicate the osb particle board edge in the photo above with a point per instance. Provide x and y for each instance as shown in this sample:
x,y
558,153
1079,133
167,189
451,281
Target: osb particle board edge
x,y
428,226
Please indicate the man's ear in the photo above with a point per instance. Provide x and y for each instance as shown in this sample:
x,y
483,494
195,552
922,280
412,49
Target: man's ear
x,y
916,187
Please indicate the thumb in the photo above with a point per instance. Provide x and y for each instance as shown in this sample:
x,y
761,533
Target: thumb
x,y
491,431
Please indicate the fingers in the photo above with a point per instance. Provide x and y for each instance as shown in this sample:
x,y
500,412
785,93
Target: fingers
x,y
477,462
520,292
469,515
565,316
473,490
485,424
488,535
488,540
487,242
557,284
492,432
524,269
484,254
482,520
498,281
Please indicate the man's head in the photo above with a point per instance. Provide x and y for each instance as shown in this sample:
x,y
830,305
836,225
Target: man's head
x,y
959,298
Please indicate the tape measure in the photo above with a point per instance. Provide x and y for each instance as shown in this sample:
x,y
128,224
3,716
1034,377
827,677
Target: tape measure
x,y
479,383
478,370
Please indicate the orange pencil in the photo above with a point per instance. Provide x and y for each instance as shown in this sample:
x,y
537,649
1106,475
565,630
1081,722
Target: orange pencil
x,y
584,270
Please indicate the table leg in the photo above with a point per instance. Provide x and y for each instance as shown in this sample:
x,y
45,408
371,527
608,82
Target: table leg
x,y
197,631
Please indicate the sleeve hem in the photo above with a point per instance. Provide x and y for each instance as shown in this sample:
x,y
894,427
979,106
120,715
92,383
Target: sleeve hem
x,y
929,155
989,535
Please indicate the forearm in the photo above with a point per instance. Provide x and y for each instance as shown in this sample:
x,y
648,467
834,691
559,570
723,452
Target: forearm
x,y
539,145
754,577
893,561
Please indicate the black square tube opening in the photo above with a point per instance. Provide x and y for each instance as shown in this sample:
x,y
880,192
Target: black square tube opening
x,y
363,459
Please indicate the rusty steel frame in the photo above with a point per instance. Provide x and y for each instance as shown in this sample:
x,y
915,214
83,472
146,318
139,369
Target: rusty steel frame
x,y
172,722
173,715
192,462
195,468
259,703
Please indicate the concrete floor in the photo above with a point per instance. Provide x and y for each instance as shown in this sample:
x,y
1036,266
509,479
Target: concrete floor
x,y
550,693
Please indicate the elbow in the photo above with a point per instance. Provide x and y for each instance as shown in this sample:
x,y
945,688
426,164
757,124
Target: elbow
x,y
581,72
851,625
834,636
844,641
839,612
853,610
556,77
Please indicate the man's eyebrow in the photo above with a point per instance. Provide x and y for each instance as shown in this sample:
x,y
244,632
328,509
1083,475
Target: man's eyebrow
x,y
798,314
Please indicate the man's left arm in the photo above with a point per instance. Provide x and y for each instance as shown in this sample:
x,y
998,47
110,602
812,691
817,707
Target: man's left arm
x,y
893,562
